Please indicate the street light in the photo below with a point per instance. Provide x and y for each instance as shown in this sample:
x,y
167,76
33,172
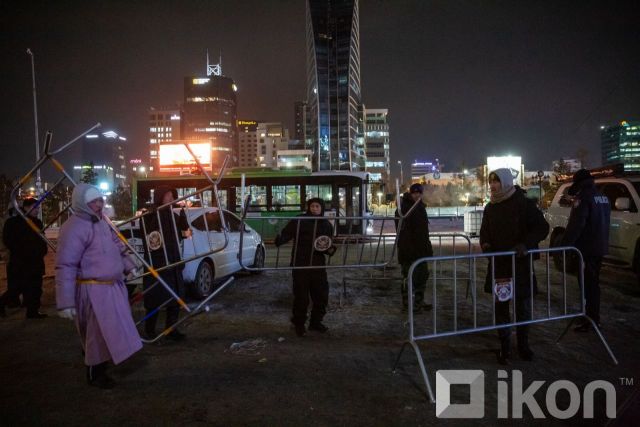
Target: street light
x,y
401,174
540,175
379,198
35,115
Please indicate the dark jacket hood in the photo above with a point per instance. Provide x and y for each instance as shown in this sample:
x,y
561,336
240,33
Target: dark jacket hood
x,y
315,200
159,193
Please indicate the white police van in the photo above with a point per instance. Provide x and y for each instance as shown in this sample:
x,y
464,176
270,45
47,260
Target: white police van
x,y
624,232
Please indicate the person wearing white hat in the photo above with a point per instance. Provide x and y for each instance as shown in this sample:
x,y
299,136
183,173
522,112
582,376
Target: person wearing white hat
x,y
91,264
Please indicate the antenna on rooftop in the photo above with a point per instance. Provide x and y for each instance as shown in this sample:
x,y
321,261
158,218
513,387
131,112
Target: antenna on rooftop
x,y
215,69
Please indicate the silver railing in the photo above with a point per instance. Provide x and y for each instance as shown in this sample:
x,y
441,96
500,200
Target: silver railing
x,y
451,316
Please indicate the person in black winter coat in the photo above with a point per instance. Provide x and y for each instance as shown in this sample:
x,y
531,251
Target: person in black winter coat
x,y
588,230
414,243
311,244
26,260
161,237
511,222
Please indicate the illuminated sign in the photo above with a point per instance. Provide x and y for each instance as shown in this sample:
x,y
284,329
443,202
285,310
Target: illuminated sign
x,y
135,161
513,163
200,81
176,157
110,134
247,123
175,117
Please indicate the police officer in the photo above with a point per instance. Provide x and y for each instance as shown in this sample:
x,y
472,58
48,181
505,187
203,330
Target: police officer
x,y
588,230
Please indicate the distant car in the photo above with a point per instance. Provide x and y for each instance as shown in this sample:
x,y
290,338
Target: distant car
x,y
201,274
624,231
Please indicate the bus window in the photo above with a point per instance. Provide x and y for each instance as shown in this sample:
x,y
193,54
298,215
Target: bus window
x,y
285,197
321,191
258,198
342,204
223,198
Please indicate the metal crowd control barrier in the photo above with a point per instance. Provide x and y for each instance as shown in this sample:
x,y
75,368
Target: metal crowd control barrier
x,y
48,156
462,318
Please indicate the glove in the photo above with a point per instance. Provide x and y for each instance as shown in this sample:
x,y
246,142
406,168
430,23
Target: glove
x,y
131,275
67,313
331,250
520,250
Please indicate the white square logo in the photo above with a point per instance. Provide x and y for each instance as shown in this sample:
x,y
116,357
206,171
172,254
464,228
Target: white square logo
x,y
473,409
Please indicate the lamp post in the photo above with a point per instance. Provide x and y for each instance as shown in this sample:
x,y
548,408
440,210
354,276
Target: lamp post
x,y
540,175
35,116
401,174
379,198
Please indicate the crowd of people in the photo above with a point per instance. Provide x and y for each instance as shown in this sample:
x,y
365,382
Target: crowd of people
x,y
92,264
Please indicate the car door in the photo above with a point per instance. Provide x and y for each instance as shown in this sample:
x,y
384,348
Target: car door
x,y
623,222
208,236
248,243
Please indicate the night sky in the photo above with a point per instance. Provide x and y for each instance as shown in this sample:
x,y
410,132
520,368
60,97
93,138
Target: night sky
x,y
462,79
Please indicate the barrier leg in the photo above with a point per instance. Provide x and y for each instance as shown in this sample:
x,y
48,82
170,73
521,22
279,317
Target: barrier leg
x,y
604,342
565,330
423,369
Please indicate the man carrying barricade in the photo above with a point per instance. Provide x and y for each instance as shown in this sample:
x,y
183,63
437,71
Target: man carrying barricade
x,y
414,243
588,230
162,248
26,261
311,244
511,222
91,264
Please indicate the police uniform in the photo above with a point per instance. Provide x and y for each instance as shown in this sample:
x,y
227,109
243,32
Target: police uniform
x,y
588,230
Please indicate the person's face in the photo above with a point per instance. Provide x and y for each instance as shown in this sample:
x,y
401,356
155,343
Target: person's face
x,y
96,206
34,212
315,208
416,196
167,198
494,185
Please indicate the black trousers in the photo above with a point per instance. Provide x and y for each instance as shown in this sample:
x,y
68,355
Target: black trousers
x,y
309,285
12,295
31,289
592,286
157,296
503,315
420,277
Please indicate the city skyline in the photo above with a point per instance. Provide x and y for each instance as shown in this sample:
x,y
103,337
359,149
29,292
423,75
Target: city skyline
x,y
461,80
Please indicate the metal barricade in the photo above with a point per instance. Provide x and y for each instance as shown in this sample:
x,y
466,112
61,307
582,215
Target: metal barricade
x,y
130,224
452,317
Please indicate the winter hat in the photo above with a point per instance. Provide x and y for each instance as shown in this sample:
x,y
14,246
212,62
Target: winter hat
x,y
578,178
506,181
416,188
91,194
80,199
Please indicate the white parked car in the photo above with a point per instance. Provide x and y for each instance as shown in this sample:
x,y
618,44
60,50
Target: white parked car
x,y
201,274
624,232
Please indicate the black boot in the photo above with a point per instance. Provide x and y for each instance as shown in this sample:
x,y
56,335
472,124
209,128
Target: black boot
x,y
97,376
419,304
523,345
150,327
505,351
172,318
317,326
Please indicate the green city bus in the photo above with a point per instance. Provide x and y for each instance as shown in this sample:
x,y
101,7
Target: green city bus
x,y
273,193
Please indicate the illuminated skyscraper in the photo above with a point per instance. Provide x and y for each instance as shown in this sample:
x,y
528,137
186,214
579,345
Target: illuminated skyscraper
x,y
621,144
333,85
210,113
164,127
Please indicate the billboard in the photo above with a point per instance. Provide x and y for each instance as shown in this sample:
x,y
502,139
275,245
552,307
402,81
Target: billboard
x,y
514,163
176,157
